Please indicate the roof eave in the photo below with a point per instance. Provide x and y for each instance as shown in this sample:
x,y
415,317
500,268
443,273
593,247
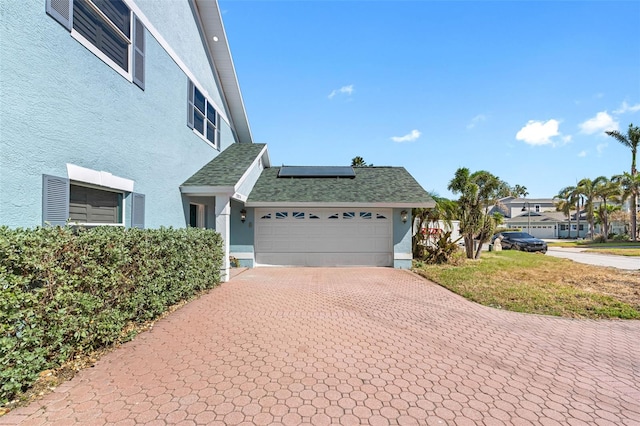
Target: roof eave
x,y
341,204
219,50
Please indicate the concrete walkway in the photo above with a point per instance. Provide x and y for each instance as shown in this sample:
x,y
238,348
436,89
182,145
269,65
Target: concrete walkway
x,y
629,263
350,346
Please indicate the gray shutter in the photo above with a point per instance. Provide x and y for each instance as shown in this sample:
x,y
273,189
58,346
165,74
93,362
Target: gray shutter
x,y
55,200
138,53
190,104
137,210
61,11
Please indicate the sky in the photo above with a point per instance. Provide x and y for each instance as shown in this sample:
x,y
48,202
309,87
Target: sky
x,y
522,89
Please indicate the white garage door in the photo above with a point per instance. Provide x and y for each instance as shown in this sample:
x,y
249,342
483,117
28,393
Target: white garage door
x,y
324,237
542,231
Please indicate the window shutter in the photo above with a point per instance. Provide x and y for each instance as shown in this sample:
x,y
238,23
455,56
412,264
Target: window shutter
x,y
61,11
138,53
55,200
190,104
137,210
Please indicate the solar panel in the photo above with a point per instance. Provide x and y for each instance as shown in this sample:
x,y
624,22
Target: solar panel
x,y
317,172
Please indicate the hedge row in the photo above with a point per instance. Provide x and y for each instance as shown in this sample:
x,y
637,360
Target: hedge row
x,y
65,292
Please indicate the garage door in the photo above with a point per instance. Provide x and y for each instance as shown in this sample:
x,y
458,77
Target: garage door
x,y
324,237
543,231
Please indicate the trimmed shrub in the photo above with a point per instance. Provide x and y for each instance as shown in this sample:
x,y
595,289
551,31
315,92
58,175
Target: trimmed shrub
x,y
64,292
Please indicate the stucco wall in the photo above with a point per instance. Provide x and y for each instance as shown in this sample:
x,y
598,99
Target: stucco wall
x,y
62,104
187,42
402,252
242,234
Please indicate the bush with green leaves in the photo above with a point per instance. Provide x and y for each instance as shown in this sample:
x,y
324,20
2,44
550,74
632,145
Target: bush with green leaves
x,y
65,292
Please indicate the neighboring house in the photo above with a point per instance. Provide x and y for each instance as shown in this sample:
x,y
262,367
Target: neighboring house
x,y
129,113
539,217
512,206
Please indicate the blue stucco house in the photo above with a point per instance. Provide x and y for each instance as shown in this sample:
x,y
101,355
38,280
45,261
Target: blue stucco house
x,y
129,113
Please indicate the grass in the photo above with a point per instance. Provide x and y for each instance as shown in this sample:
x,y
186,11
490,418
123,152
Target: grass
x,y
538,284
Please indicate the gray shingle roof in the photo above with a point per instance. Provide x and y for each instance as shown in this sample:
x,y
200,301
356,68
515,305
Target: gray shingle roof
x,y
228,167
389,185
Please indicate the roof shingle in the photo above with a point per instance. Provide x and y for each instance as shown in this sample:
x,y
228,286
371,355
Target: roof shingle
x,y
228,167
389,185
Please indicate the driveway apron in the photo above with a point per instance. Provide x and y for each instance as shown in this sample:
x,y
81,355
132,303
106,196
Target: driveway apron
x,y
371,346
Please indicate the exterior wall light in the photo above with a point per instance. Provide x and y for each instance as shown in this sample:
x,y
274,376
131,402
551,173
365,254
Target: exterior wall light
x,y
243,215
404,216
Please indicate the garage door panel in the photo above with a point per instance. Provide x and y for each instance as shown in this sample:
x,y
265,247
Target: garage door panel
x,y
338,237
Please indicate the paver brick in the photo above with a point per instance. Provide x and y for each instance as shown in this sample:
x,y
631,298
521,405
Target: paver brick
x,y
354,346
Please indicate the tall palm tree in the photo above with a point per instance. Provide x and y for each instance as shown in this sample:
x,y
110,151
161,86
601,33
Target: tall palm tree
x,y
564,204
631,140
606,190
586,188
629,185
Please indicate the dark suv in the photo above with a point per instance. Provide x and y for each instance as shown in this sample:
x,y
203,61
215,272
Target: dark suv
x,y
520,241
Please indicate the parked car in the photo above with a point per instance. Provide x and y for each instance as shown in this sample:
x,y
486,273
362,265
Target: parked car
x,y
520,241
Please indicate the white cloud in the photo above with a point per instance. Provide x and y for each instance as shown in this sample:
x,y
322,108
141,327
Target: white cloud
x,y
601,146
567,139
625,107
539,132
348,90
582,154
415,134
599,124
475,120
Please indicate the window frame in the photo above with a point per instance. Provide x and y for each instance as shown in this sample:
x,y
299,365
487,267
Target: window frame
x,y
209,108
122,205
128,73
63,11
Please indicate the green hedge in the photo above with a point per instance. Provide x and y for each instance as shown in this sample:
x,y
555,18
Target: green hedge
x,y
65,291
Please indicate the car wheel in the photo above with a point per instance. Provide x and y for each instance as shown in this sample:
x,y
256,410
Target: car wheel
x,y
520,248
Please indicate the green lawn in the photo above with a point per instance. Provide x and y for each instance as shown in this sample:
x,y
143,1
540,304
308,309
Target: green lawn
x,y
538,284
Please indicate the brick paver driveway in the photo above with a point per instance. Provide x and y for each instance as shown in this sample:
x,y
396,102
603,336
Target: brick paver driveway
x,y
355,346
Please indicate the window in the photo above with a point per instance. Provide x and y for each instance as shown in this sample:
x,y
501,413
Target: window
x,y
94,206
365,215
298,215
282,215
537,208
348,215
64,201
109,29
202,116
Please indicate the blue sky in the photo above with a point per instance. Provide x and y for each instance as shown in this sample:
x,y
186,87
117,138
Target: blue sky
x,y
523,89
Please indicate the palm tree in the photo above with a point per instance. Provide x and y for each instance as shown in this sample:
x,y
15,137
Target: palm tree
x,y
631,140
444,210
478,192
575,196
565,203
586,188
359,162
629,185
606,189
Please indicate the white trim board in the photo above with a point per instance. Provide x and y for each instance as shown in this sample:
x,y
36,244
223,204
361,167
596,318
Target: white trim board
x,y
100,178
